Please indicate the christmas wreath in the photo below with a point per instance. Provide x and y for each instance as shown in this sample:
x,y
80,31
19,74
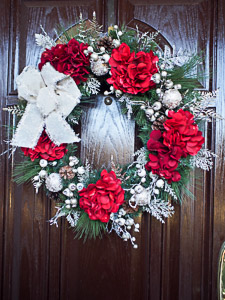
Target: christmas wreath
x,y
156,88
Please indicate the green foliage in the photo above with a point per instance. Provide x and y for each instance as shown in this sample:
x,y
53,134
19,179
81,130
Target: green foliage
x,y
88,228
26,170
187,75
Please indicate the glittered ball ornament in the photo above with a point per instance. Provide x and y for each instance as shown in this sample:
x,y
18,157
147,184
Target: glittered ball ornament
x,y
99,67
141,197
54,182
172,99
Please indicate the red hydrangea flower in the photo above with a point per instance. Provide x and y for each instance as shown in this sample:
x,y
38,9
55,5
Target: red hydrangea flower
x,y
132,73
180,138
45,149
103,198
182,132
166,161
68,59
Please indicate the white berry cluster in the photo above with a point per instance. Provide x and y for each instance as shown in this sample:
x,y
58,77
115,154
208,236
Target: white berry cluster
x,y
122,224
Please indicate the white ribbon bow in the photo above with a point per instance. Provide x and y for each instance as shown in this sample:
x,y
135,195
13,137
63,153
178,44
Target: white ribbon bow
x,y
51,97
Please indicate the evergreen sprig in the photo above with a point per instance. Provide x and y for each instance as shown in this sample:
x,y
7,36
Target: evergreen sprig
x,y
88,228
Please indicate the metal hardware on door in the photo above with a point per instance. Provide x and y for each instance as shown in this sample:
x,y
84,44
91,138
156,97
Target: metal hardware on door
x,y
108,101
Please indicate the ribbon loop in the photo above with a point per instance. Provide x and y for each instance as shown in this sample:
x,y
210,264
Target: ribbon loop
x,y
51,97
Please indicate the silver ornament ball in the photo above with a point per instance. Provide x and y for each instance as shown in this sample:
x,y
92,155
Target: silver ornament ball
x,y
172,98
43,163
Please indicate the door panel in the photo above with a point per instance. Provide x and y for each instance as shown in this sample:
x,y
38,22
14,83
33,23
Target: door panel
x,y
177,260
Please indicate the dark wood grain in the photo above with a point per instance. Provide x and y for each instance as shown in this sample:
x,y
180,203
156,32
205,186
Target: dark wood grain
x,y
219,186
106,132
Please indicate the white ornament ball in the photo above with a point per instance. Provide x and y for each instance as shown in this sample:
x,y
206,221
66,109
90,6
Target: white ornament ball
x,y
160,183
156,77
164,73
120,33
138,166
85,52
72,186
102,49
99,67
169,84
157,105
128,227
43,173
71,163
36,178
38,184
152,119
118,93
129,222
68,206
66,192
67,201
138,189
141,173
73,201
135,246
172,98
116,43
125,236
156,191
122,212
149,112
54,182
121,221
80,186
141,198
94,56
143,180
54,163
177,86
90,49
81,170
43,163
132,191
106,57
74,159
158,91
115,27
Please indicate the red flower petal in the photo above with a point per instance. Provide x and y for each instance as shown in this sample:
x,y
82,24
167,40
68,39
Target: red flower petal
x,y
101,199
45,149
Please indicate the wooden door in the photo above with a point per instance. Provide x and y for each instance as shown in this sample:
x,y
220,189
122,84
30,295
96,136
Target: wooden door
x,y
178,260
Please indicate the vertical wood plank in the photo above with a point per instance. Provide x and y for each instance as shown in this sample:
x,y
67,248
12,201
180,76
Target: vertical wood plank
x,y
219,186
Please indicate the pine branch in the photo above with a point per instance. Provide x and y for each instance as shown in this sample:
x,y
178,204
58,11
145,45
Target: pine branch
x,y
88,228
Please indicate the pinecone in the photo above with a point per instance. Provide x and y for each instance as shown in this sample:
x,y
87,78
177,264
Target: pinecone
x,y
158,123
106,42
66,172
128,209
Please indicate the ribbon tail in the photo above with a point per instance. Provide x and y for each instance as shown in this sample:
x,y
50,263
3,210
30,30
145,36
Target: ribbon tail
x,y
29,128
59,131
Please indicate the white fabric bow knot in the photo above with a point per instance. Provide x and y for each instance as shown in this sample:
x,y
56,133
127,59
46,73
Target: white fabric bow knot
x,y
51,97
